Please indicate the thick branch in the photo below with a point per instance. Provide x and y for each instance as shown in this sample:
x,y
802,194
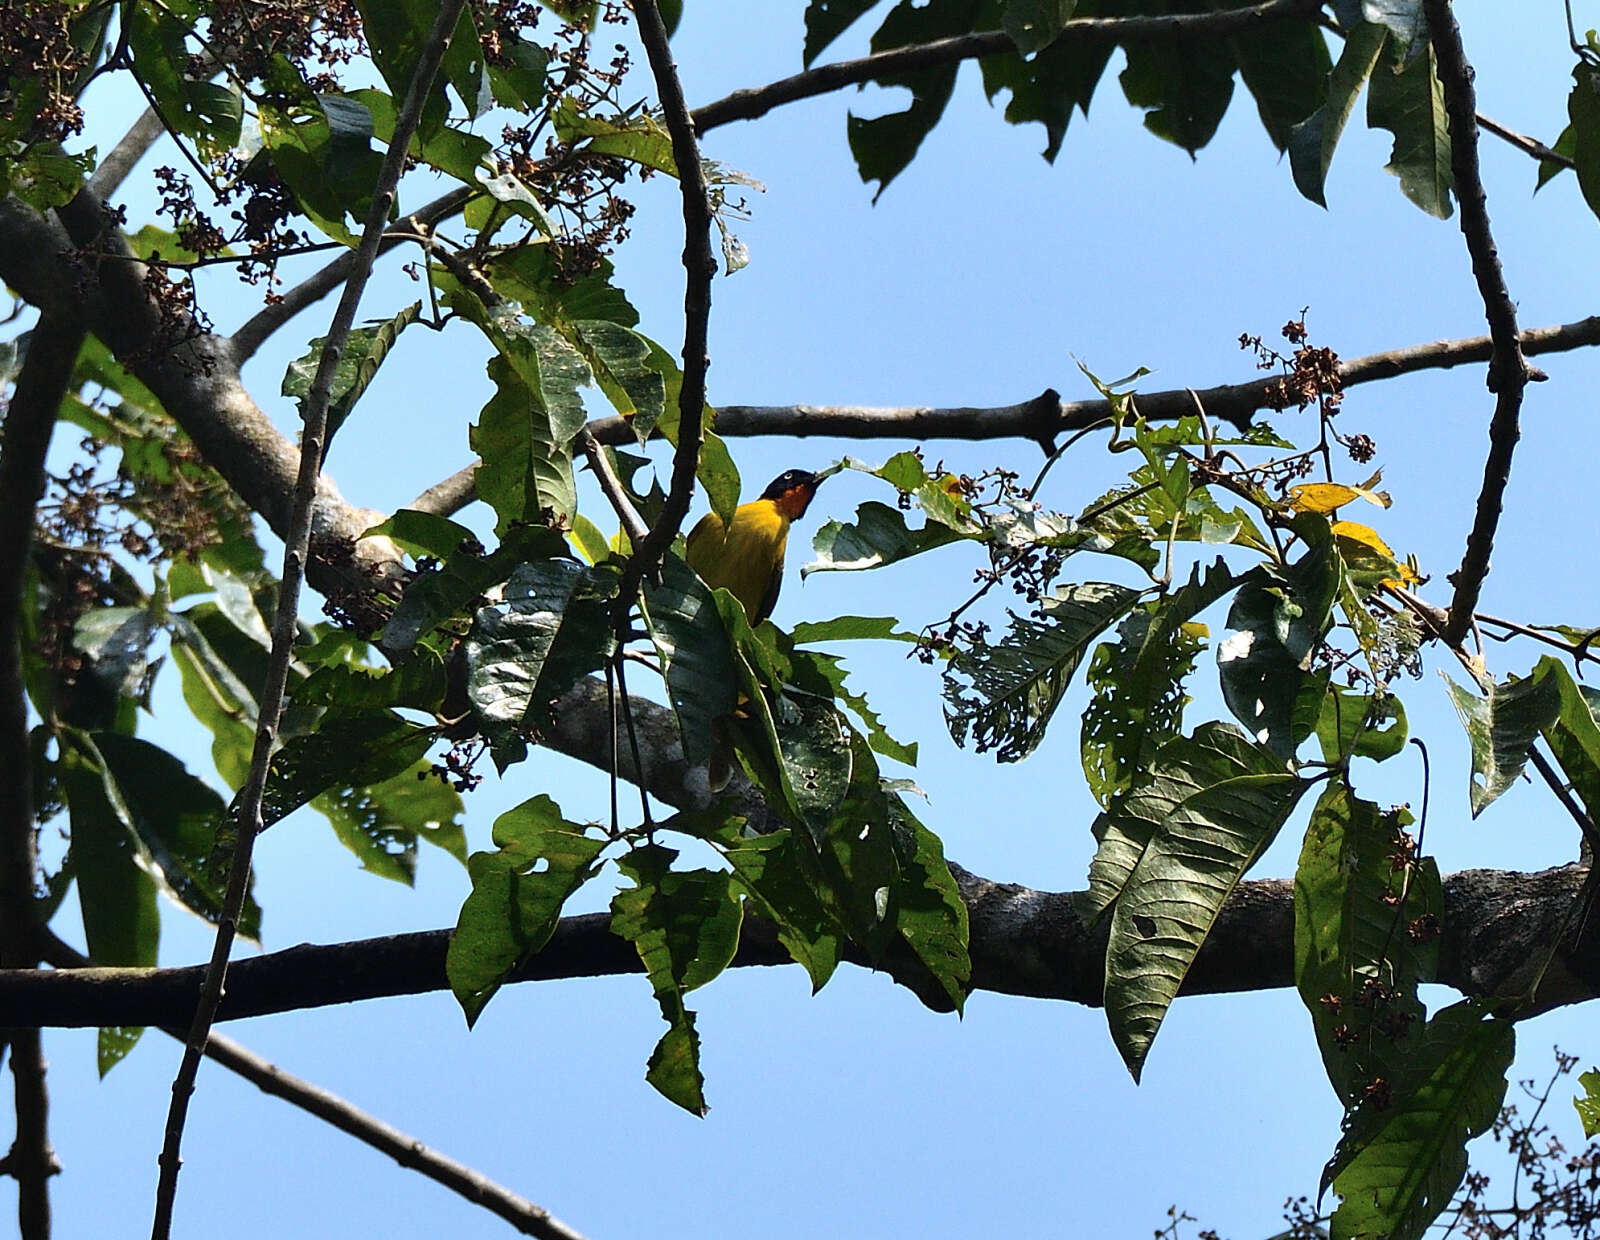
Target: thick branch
x,y
113,170
197,382
1508,369
744,105
1499,925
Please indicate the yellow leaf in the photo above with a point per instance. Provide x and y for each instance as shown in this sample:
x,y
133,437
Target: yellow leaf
x,y
1368,537
1326,496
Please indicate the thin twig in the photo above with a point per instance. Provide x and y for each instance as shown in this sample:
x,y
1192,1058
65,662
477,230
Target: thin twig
x,y
113,170
1579,652
700,267
632,523
524,1215
1047,415
1508,369
256,330
1564,794
29,421
1529,146
247,814
744,105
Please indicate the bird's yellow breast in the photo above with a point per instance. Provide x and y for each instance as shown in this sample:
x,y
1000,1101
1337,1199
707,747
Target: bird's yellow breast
x,y
745,557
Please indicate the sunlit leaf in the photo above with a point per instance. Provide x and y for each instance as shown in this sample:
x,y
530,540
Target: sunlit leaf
x,y
1501,725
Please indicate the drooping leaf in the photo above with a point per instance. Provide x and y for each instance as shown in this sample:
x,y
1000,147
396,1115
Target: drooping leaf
x,y
1360,951
1312,142
1588,1105
1169,903
116,893
1285,66
175,817
516,898
1004,695
1397,1168
621,360
1035,24
824,674
381,823
878,536
1583,110
1184,87
1407,99
884,145
1184,767
931,917
685,927
826,20
1501,726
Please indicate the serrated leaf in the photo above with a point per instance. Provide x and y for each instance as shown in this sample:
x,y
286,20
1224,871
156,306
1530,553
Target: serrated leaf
x,y
1407,99
516,899
1171,900
1312,142
1396,1169
1012,689
1501,725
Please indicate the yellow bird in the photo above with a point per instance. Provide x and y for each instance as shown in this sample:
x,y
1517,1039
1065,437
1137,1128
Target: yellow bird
x,y
746,557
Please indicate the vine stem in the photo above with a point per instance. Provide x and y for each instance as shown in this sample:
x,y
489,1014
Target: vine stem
x,y
247,807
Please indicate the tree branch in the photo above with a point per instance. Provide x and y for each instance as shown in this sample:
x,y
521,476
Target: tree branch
x,y
260,327
29,421
700,267
1498,924
611,486
748,104
247,819
1508,369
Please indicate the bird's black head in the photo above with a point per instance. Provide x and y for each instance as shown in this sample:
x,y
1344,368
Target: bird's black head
x,y
792,491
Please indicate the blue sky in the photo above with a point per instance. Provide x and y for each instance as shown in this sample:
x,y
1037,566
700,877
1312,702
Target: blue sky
x,y
982,276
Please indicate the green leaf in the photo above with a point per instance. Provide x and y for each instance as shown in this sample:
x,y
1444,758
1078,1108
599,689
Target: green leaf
x,y
520,84
358,365
850,628
1138,682
824,674
114,1044
432,598
639,139
1278,622
1565,144
396,31
1181,769
1501,726
1359,951
1574,735
116,892
1190,866
175,817
696,653
884,145
1047,87
1360,725
1184,86
622,361
1407,99
879,536
1285,66
1035,24
161,57
516,898
1588,1106
777,873
1397,1168
525,470
423,533
117,643
931,916
1011,690
826,20
714,469
1312,142
1406,20
348,750
685,927
1583,109
553,627
380,823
